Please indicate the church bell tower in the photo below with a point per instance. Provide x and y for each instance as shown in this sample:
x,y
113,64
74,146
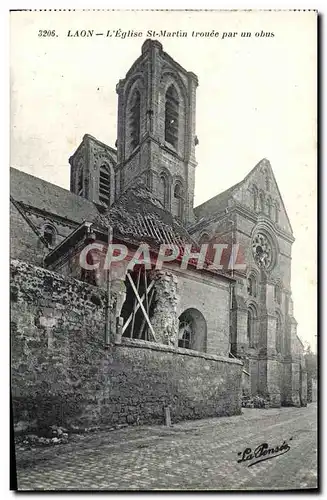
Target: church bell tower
x,y
156,130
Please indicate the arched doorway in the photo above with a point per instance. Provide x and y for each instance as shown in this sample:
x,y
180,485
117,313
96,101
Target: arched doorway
x,y
192,333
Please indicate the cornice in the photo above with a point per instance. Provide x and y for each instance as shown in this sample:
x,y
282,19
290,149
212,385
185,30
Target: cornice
x,y
47,215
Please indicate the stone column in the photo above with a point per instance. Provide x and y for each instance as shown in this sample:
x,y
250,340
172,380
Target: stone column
x,y
254,371
295,394
164,319
118,294
118,297
239,320
304,389
273,382
269,366
287,381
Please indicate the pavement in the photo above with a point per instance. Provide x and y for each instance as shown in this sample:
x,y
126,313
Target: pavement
x,y
192,455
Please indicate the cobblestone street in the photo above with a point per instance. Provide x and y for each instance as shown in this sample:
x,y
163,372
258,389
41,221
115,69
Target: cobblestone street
x,y
193,455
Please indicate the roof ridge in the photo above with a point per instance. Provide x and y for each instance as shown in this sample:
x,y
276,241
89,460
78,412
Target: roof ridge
x,y
50,184
50,198
89,136
38,178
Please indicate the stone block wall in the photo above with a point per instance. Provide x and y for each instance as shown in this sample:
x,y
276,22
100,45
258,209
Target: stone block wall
x,y
312,390
61,372
211,297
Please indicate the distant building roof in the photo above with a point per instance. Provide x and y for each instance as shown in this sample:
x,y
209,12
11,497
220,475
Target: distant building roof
x,y
35,192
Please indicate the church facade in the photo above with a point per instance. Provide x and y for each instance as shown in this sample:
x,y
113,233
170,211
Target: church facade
x,y
143,189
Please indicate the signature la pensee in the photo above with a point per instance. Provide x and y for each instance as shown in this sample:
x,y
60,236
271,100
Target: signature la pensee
x,y
262,452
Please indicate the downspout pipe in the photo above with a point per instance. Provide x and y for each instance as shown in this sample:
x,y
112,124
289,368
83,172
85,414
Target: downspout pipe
x,y
108,305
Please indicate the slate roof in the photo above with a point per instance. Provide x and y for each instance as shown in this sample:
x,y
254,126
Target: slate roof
x,y
211,209
35,192
216,204
137,215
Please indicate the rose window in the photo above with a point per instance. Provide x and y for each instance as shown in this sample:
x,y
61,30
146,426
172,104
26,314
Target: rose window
x,y
262,251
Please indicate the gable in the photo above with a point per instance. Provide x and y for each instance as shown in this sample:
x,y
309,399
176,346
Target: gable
x,y
35,204
259,192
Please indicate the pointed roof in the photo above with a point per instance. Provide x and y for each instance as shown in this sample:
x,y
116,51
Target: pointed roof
x,y
89,139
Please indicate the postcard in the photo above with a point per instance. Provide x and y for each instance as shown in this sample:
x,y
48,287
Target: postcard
x,y
163,250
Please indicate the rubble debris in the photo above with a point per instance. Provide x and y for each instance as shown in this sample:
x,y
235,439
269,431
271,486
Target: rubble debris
x,y
255,402
55,435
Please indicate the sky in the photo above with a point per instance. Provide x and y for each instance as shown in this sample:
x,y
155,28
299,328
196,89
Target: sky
x,y
256,99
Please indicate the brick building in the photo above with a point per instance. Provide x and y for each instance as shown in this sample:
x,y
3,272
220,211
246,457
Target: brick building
x,y
144,190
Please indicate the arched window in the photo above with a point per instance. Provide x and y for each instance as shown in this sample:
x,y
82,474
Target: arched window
x,y
269,206
49,234
268,182
163,190
134,119
278,294
252,286
178,200
266,177
262,201
279,333
104,184
171,116
277,212
185,332
192,331
80,182
255,198
251,325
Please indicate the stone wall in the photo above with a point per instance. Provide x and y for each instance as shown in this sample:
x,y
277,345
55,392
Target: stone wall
x,y
62,373
311,390
210,296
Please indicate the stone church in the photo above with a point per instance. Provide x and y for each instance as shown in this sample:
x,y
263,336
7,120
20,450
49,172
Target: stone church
x,y
225,326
